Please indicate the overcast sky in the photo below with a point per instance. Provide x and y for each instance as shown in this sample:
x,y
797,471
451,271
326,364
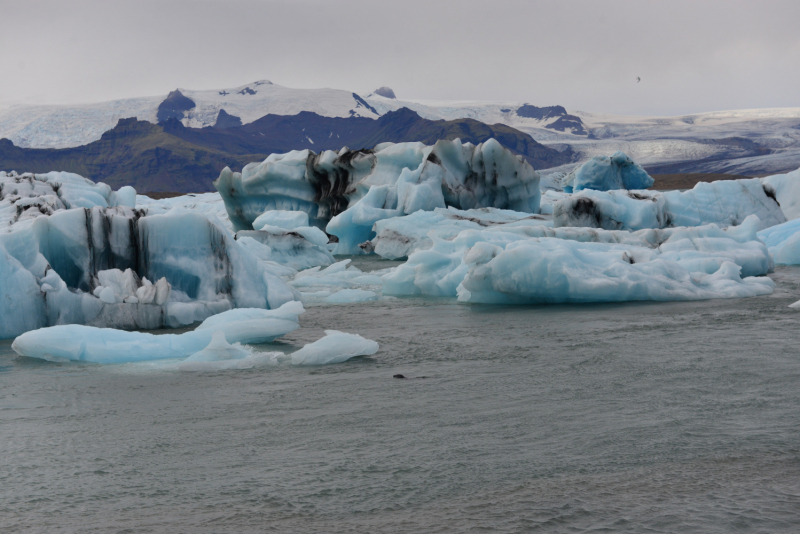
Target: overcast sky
x,y
693,55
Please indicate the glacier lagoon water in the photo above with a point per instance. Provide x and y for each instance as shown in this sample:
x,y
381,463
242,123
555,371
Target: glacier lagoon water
x,y
659,417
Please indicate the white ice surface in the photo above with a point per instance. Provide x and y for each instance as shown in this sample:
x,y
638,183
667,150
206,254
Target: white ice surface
x,y
665,264
604,173
335,347
27,196
724,202
787,192
393,180
106,345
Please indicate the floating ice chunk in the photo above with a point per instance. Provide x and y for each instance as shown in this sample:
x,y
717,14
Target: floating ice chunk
x,y
786,189
783,241
198,267
699,251
604,173
288,220
400,236
335,347
725,203
548,270
298,249
253,325
390,180
219,349
350,296
106,345
22,302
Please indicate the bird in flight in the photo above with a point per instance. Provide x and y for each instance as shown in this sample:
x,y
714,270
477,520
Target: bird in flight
x,y
638,79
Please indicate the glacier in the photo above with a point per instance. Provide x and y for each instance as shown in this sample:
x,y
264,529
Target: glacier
x,y
604,173
346,192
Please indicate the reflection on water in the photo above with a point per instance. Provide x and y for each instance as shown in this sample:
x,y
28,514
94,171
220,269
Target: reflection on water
x,y
636,417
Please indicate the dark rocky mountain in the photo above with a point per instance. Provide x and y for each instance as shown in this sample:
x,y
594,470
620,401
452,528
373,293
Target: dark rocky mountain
x,y
385,92
136,153
171,157
173,106
281,133
564,122
226,120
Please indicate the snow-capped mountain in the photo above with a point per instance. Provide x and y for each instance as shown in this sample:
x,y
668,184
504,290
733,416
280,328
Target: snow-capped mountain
x,y
68,126
750,142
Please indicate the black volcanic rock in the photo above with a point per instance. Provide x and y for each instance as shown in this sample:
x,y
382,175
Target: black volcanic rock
x,y
564,122
226,120
385,92
173,106
534,112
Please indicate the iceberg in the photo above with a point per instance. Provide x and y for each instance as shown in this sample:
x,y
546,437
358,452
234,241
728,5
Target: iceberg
x,y
322,286
106,345
551,271
783,241
28,196
605,173
785,189
724,203
335,347
451,267
346,192
95,267
299,248
398,237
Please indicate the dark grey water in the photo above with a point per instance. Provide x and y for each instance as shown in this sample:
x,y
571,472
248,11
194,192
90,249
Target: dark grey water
x,y
671,417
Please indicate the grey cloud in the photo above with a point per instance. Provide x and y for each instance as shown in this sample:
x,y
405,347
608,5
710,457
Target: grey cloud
x,y
691,55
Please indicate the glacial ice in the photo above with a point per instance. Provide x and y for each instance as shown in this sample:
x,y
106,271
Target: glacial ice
x,y
335,347
666,264
783,241
288,220
27,196
107,345
322,286
400,236
786,188
299,248
348,191
566,271
725,203
94,267
605,173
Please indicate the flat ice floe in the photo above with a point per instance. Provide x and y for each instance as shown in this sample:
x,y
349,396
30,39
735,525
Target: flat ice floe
x,y
335,347
589,266
108,345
